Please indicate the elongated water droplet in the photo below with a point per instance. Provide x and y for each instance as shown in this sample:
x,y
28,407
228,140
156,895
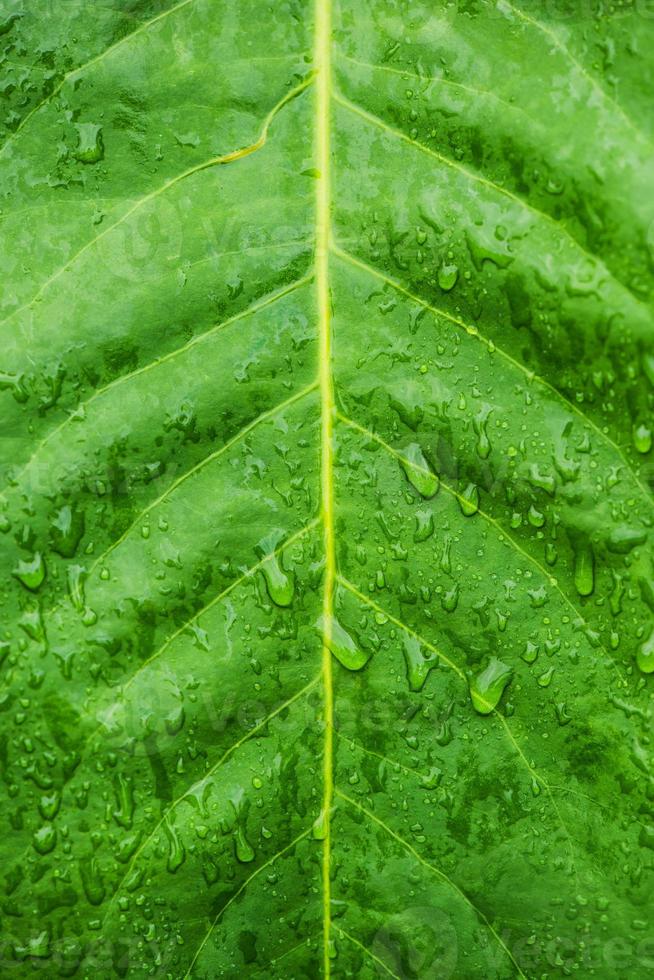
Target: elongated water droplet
x,y
280,584
450,600
480,426
67,529
584,570
645,655
487,688
176,852
75,575
45,839
642,439
30,573
342,645
319,829
419,663
92,882
530,653
418,471
469,500
447,277
424,525
242,847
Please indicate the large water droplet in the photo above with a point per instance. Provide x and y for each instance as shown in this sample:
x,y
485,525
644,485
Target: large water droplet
x,y
45,839
419,663
584,570
469,500
418,471
342,645
487,688
242,847
645,655
176,852
642,439
447,277
66,529
280,584
30,573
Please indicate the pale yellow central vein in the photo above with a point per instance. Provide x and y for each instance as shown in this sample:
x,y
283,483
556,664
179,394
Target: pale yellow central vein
x,y
322,55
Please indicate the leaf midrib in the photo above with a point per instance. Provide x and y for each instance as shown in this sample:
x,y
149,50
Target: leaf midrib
x,y
323,203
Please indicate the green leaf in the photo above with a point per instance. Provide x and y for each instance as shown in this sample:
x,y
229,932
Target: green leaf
x,y
327,392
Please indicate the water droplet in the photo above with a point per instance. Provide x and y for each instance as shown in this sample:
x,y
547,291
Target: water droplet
x,y
624,539
66,529
30,573
487,688
424,525
280,584
92,882
480,424
642,438
75,575
645,655
319,829
44,839
469,500
418,472
124,812
176,852
450,600
419,663
242,847
447,276
530,653
90,146
342,645
584,573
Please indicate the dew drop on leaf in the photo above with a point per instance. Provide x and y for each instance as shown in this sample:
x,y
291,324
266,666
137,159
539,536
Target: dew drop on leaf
x,y
242,847
487,688
44,839
280,584
343,646
30,573
642,439
645,655
66,530
418,471
419,663
469,500
176,851
447,277
584,572
424,525
92,882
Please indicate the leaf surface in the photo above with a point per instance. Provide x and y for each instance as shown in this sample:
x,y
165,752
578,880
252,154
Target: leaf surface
x,y
326,379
